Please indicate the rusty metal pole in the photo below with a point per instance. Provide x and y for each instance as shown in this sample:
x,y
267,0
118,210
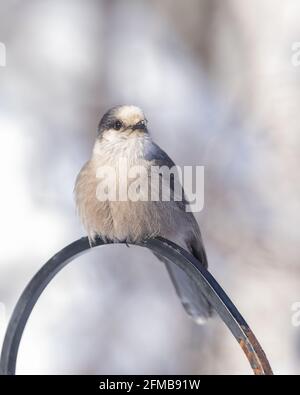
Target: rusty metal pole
x,y
205,282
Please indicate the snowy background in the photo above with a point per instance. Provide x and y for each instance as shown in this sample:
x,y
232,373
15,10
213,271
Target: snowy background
x,y
220,85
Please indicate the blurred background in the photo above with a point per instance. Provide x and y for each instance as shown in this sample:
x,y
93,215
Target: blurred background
x,y
219,82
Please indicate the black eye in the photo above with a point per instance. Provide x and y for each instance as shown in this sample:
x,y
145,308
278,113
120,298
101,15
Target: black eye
x,y
118,124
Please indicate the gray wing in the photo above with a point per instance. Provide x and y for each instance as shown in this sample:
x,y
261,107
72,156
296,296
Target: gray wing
x,y
195,304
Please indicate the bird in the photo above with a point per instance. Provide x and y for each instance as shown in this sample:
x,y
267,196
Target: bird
x,y
123,137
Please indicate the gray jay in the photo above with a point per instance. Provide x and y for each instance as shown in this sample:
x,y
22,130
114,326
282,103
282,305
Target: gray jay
x,y
123,135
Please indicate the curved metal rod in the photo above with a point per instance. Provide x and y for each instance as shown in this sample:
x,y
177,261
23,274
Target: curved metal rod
x,y
165,248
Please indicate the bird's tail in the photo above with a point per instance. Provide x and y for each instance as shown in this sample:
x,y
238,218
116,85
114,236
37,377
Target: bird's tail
x,y
194,302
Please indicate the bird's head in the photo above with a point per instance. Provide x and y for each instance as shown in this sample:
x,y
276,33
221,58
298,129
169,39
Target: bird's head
x,y
122,122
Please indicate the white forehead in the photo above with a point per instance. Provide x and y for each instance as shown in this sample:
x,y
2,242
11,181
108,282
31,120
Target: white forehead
x,y
130,114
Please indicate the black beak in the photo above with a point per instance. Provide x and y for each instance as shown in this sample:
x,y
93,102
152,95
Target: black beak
x,y
139,126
